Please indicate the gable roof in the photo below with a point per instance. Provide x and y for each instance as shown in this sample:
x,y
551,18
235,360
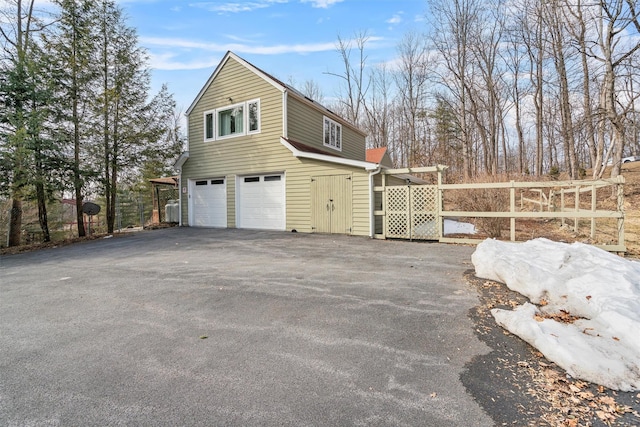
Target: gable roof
x,y
266,77
278,84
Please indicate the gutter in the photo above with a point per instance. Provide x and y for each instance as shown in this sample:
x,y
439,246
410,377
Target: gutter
x,y
331,159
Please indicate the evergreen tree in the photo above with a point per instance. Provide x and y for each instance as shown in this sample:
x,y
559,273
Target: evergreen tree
x,y
133,128
72,55
27,157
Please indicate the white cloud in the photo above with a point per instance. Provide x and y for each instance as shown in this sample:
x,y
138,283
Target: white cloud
x,y
236,7
167,61
164,51
394,20
161,59
322,4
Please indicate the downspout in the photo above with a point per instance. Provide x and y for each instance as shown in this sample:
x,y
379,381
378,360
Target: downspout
x,y
178,168
180,197
372,201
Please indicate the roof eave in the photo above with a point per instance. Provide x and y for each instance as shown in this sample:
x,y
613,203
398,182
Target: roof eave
x,y
331,159
181,160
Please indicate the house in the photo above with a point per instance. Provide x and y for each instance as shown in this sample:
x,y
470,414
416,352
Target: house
x,y
261,155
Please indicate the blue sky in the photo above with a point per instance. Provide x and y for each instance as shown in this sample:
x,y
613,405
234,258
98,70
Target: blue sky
x,y
286,38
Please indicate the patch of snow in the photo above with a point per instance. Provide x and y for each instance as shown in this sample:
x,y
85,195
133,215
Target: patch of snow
x,y
457,227
600,288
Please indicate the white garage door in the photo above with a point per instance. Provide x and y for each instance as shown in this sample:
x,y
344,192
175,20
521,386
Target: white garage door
x,y
208,203
261,202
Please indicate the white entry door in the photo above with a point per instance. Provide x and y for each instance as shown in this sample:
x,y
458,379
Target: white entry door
x,y
261,202
208,203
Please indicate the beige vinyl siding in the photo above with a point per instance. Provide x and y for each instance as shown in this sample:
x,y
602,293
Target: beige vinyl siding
x,y
263,153
298,181
305,124
255,153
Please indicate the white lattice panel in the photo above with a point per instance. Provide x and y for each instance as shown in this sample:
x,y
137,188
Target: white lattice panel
x,y
412,212
424,211
397,212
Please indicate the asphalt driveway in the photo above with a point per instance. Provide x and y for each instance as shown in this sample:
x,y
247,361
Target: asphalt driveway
x,y
206,327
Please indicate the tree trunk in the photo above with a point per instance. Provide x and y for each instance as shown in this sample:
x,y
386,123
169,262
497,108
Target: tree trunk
x,y
42,211
15,222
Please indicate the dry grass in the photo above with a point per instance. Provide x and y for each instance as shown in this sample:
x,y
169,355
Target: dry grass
x,y
554,229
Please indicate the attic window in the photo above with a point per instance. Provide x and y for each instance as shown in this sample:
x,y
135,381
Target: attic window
x,y
332,134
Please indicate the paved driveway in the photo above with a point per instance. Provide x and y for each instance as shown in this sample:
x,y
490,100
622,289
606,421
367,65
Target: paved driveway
x,y
227,327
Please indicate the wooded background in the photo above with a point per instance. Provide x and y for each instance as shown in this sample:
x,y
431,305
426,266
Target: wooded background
x,y
489,88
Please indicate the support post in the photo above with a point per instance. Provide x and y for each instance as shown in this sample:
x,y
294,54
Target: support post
x,y
593,209
512,208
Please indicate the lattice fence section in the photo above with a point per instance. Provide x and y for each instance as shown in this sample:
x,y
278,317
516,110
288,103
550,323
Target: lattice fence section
x,y
424,212
412,212
397,212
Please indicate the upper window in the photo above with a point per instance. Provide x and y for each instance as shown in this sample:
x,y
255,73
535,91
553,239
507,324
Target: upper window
x,y
230,121
208,126
253,108
233,120
332,134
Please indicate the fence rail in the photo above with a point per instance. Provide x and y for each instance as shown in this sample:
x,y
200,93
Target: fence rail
x,y
570,206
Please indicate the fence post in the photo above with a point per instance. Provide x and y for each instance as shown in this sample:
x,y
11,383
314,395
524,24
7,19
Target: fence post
x,y
385,207
439,203
512,202
620,188
593,209
562,219
577,209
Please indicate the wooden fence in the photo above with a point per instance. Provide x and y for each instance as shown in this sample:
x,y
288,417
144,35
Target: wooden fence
x,y
566,201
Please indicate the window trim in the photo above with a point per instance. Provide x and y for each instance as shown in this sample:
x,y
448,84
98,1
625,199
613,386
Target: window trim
x,y
211,113
337,134
228,108
248,110
215,121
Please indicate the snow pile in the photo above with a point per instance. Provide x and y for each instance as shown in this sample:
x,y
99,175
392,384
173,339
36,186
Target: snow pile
x,y
599,288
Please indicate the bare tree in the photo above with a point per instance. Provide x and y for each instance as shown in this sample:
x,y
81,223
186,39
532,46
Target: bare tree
x,y
614,18
355,80
411,81
454,23
378,108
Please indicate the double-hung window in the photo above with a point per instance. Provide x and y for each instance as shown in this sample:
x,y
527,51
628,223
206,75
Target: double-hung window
x,y
232,120
332,134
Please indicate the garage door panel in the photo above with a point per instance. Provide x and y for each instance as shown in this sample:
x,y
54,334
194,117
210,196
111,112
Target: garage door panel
x,y
209,203
262,202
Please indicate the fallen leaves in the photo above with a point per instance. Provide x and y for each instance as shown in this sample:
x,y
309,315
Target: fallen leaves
x,y
574,402
563,316
566,401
